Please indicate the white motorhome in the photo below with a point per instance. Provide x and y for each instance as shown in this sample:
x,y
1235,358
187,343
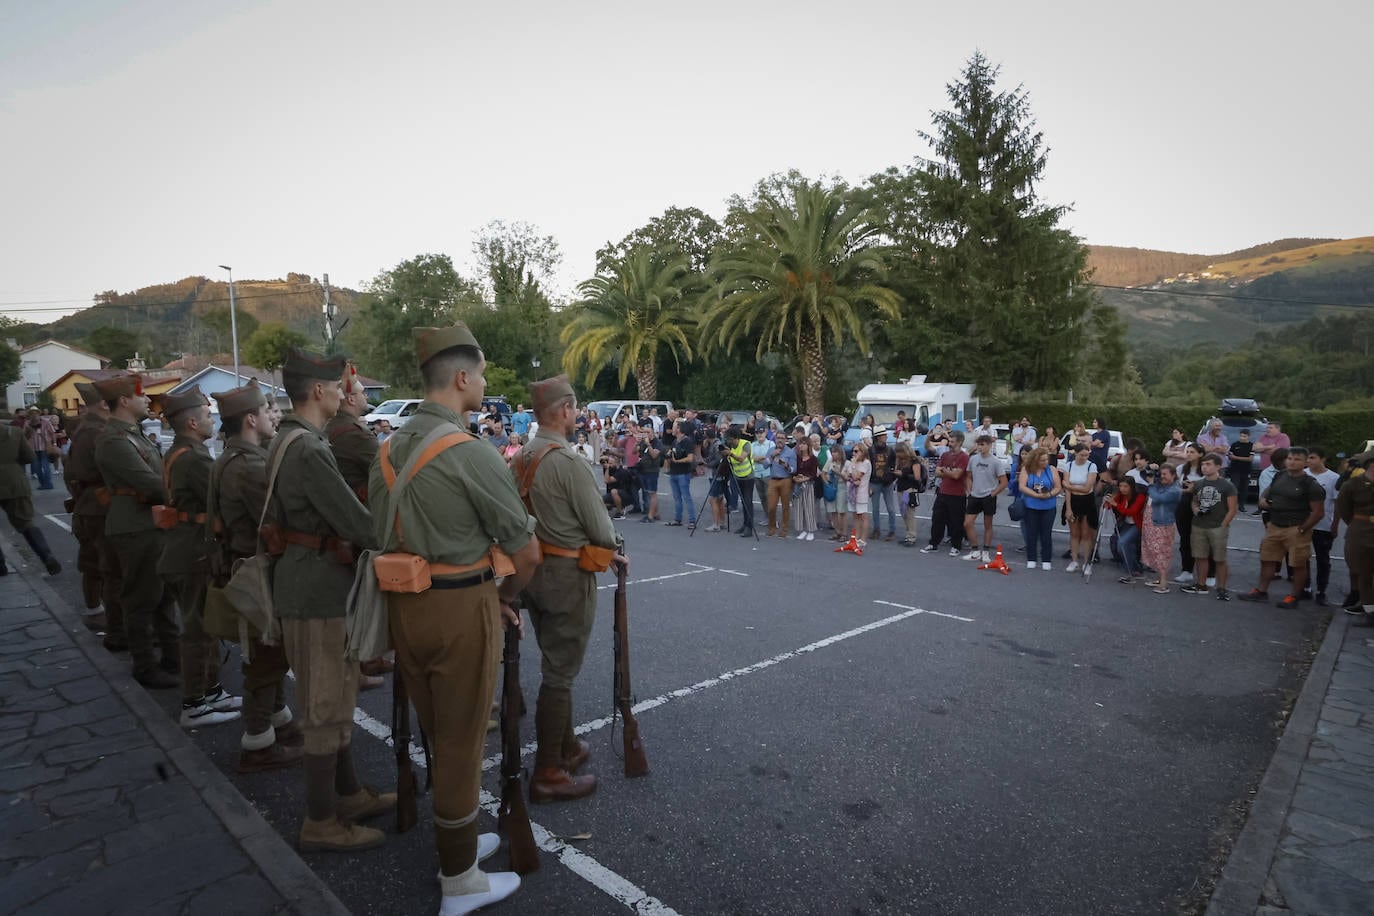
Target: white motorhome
x,y
925,402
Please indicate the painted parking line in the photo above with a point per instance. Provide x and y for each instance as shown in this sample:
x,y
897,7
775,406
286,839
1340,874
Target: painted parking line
x,y
730,572
614,885
56,520
690,572
662,699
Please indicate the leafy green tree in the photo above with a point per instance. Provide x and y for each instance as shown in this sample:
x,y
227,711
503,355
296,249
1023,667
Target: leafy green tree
x,y
687,229
217,322
517,327
804,272
266,349
423,291
115,344
642,305
9,357
992,267
502,382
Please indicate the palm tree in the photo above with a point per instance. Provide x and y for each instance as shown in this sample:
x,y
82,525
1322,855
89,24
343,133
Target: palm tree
x,y
645,304
801,277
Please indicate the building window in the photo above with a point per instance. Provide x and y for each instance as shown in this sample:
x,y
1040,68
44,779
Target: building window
x,y
30,398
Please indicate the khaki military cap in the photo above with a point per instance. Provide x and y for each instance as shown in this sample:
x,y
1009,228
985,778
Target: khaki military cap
x,y
237,401
549,392
129,385
88,393
430,342
309,364
173,404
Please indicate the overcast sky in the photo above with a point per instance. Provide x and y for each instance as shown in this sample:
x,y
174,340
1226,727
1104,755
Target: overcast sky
x,y
148,141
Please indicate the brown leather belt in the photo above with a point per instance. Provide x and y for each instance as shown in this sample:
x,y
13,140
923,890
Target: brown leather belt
x,y
552,550
198,518
125,491
312,541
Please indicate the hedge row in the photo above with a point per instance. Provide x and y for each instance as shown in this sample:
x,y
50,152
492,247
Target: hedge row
x,y
1336,431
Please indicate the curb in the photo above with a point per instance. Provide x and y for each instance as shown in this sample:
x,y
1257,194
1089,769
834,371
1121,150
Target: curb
x,y
279,864
1242,881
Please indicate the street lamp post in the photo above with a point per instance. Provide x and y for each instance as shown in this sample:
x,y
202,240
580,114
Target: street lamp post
x,y
233,321
534,361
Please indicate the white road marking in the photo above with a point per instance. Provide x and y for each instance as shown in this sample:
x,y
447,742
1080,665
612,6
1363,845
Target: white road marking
x,y
690,572
616,886
732,572
645,705
58,522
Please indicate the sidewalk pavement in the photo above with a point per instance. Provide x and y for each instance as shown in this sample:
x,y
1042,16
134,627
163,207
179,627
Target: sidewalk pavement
x,y
1308,843
106,806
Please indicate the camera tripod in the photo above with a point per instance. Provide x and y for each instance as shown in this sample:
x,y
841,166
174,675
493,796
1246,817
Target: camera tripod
x,y
731,484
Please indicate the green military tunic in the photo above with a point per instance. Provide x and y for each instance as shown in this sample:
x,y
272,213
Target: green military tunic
x,y
354,449
16,454
189,488
240,493
129,463
566,498
1357,498
311,498
472,476
96,558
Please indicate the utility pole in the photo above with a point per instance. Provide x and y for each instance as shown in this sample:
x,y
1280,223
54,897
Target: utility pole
x,y
328,318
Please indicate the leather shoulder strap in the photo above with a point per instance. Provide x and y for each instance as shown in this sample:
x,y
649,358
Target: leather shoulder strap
x,y
167,471
524,466
442,437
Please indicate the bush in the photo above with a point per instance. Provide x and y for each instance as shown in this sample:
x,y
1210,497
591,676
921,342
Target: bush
x,y
1334,430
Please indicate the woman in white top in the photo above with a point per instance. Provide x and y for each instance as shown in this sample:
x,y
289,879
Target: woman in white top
x,y
1080,480
584,448
857,472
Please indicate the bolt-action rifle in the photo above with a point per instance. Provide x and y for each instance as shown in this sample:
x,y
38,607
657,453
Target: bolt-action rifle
x,y
512,819
636,762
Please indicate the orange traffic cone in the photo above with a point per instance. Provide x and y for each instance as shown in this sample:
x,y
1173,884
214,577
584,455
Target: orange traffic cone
x,y
852,545
998,563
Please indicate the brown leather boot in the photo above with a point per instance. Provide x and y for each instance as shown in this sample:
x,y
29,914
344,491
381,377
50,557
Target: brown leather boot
x,y
337,835
573,762
366,802
272,757
291,734
95,622
377,666
557,784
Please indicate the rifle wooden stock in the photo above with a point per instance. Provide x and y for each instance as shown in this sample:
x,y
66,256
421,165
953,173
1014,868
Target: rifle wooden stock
x,y
636,761
512,820
407,786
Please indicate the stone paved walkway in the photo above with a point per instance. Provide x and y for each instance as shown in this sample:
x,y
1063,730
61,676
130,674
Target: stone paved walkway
x,y
105,805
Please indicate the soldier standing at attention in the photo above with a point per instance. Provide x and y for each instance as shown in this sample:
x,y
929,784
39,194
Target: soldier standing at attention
x,y
354,448
271,739
184,565
95,556
321,523
132,470
448,638
1355,507
565,498
17,499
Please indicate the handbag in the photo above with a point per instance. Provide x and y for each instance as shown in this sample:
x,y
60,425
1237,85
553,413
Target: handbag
x,y
831,489
1017,510
249,588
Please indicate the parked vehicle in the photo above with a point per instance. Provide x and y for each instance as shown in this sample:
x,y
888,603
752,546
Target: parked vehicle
x,y
925,402
609,411
396,412
1115,446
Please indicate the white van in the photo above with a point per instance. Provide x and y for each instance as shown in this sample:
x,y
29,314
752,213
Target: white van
x,y
396,412
925,402
609,410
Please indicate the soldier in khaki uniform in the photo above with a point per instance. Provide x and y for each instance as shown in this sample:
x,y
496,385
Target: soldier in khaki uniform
x,y
17,499
132,470
448,638
95,557
1355,507
271,738
566,500
354,449
186,472
321,524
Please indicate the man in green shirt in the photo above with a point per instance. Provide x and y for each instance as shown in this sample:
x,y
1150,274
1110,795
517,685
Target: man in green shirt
x,y
562,492
321,525
132,470
452,511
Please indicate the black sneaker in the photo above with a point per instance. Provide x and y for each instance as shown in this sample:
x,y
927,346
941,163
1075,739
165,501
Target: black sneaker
x,y
1195,589
1320,600
1223,595
1254,595
1351,602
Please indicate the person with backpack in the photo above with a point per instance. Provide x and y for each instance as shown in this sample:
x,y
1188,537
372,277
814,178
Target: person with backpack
x,y
911,483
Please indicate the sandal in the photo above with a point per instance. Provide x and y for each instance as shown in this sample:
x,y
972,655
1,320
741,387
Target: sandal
x,y
672,524
1161,589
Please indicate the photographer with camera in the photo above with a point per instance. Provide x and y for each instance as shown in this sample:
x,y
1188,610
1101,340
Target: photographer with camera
x,y
740,459
782,464
620,484
650,451
682,463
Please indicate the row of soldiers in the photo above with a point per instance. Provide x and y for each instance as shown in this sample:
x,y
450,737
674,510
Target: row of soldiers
x,y
317,481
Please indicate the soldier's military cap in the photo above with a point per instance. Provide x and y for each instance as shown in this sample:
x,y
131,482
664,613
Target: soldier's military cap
x,y
237,401
174,404
430,342
128,385
308,364
88,393
550,391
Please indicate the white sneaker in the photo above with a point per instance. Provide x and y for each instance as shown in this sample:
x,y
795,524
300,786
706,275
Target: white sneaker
x,y
954,552
1031,564
861,544
810,535
986,556
501,885
1047,566
1072,567
223,701
1211,581
711,528
928,549
198,716
973,555
1185,578
801,535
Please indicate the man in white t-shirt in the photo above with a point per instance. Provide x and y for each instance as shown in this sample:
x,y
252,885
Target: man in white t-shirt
x,y
1324,531
987,477
1024,434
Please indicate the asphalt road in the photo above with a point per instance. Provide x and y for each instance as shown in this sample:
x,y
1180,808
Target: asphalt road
x,y
892,733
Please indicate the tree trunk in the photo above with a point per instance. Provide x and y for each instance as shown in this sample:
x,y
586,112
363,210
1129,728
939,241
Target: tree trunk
x,y
813,373
646,380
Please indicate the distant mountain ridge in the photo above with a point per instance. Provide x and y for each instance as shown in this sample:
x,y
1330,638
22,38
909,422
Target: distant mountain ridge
x,y
1117,266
